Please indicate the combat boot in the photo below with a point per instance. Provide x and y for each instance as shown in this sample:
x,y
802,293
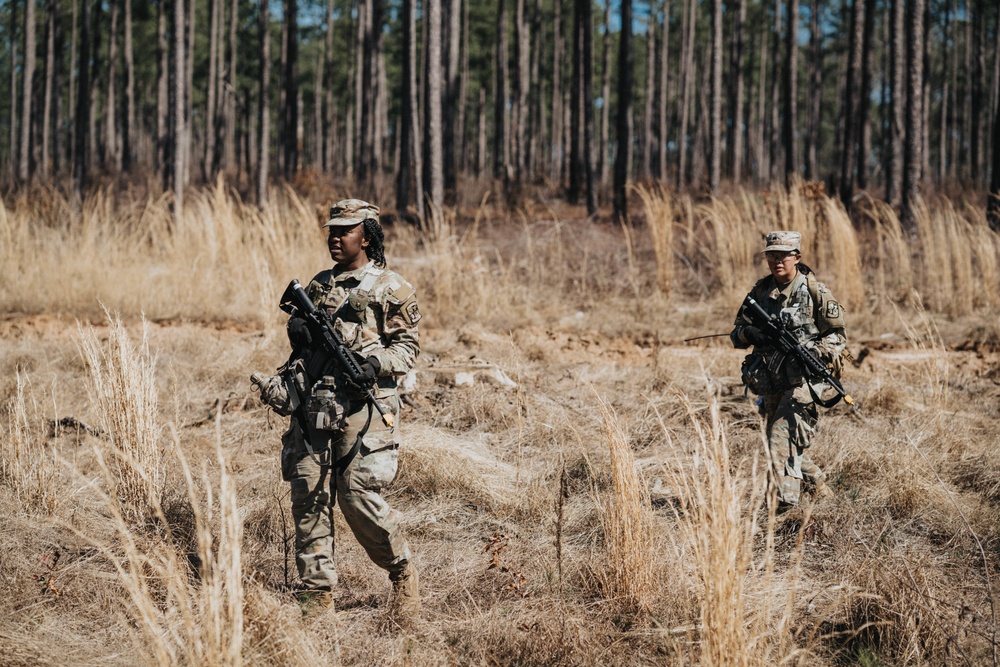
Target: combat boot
x,y
406,595
823,490
314,601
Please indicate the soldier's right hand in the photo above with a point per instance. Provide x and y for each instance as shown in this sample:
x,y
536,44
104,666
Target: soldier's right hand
x,y
753,335
298,333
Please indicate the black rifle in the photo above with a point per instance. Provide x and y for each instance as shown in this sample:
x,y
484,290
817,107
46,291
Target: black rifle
x,y
296,301
781,339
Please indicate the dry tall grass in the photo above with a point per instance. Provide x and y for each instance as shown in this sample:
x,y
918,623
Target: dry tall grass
x,y
26,465
660,220
628,575
123,388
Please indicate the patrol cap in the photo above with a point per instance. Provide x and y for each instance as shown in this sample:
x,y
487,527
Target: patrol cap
x,y
781,241
349,212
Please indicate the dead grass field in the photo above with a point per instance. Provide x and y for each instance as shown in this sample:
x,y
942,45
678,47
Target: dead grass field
x,y
605,507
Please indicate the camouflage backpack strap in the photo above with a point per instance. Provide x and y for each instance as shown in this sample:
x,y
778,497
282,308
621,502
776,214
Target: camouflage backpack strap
x,y
812,284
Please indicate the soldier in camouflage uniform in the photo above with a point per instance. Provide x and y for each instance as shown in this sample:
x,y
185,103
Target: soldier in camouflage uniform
x,y
376,312
808,310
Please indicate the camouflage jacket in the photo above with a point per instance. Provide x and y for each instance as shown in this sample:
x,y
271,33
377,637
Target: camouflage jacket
x,y
376,312
817,322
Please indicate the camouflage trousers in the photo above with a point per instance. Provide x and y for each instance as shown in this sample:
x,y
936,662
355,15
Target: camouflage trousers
x,y
791,423
315,489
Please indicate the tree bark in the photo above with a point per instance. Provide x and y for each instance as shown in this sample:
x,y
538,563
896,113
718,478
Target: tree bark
x,y
978,98
213,63
110,125
623,115
815,105
662,93
715,121
500,171
993,207
555,168
14,140
290,75
848,150
736,87
435,163
51,25
791,90
187,136
162,94
407,122
128,117
945,94
602,146
687,77
864,97
776,82
914,111
24,166
328,99
230,150
648,140
263,104
80,163
449,120
180,127
521,87
587,101
897,107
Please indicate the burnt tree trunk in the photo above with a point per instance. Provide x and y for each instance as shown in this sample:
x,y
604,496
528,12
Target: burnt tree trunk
x,y
263,102
623,115
913,159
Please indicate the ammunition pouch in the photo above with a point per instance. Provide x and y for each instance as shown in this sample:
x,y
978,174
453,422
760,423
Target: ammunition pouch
x,y
326,408
761,377
283,392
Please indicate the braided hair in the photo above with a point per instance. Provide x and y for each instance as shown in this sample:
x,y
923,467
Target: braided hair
x,y
376,241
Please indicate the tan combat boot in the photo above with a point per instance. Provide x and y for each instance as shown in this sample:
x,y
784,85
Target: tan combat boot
x,y
406,595
823,490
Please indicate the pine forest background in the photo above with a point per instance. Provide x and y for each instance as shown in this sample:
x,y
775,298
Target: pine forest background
x,y
575,98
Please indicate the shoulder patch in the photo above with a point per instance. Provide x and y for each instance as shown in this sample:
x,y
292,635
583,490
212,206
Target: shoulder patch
x,y
411,313
832,310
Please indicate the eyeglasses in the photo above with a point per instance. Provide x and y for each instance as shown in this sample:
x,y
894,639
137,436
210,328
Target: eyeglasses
x,y
777,257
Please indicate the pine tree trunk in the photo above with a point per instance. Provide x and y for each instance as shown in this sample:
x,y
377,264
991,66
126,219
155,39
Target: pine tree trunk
x,y
80,163
897,112
230,151
461,142
51,14
648,142
864,97
407,121
180,127
95,149
914,111
128,117
587,101
188,134
715,122
28,75
978,98
14,140
736,87
602,147
536,117
110,126
162,94
290,86
623,115
993,207
791,90
435,163
213,63
558,147
449,121
776,80
848,150
687,77
263,104
500,171
662,94
762,156
815,105
521,86
328,99
945,94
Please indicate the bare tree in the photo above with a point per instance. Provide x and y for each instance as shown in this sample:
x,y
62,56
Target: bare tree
x,y
648,141
229,153
687,86
162,93
521,87
51,27
791,89
623,115
602,147
555,171
290,90
409,162
815,103
897,105
128,117
449,123
993,207
864,96
661,91
213,57
327,161
27,78
715,129
111,153
435,163
500,170
83,108
180,127
737,92
263,104
587,102
850,109
914,111
774,125
12,164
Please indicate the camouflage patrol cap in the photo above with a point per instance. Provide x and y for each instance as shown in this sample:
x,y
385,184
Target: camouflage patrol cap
x,y
781,241
349,212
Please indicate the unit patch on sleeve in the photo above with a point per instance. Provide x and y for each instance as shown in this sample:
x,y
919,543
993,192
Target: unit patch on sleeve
x,y
410,312
832,310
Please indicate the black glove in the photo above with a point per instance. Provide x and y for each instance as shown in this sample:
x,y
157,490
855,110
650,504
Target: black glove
x,y
753,335
298,333
370,367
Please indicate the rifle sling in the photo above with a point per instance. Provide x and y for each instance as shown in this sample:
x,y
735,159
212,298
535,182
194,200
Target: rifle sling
x,y
827,404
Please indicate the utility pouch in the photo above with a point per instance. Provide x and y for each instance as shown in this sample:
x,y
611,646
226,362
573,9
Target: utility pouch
x,y
326,410
281,392
757,377
292,448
